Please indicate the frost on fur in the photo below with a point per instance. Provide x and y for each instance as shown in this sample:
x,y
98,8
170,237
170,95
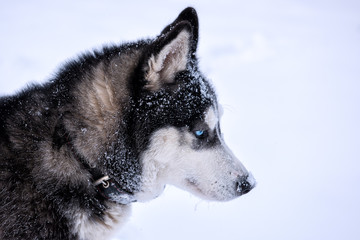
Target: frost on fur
x,y
139,114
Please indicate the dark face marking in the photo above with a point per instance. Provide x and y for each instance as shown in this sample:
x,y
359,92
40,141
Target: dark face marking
x,y
179,106
208,138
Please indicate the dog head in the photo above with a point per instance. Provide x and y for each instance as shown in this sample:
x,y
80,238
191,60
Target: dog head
x,y
177,121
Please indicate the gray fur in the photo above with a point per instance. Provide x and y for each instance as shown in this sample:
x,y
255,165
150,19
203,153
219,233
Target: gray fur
x,y
103,115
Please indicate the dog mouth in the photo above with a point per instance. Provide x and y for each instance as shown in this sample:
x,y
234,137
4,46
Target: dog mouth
x,y
219,192
192,181
194,185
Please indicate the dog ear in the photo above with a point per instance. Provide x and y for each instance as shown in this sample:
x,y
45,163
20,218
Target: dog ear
x,y
188,14
172,50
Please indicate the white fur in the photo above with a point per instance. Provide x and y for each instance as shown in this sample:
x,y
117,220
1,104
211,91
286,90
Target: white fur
x,y
154,163
211,119
90,229
209,173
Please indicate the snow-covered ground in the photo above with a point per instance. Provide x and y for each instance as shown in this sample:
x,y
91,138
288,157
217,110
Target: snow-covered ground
x,y
288,75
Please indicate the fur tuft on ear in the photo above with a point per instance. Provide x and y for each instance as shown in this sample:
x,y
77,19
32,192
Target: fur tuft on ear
x,y
170,55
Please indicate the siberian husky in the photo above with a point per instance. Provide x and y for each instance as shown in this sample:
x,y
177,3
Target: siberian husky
x,y
112,127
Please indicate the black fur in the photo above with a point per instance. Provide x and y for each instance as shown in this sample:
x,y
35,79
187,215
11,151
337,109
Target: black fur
x,y
46,120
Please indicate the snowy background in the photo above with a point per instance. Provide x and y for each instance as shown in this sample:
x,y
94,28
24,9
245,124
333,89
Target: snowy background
x,y
288,75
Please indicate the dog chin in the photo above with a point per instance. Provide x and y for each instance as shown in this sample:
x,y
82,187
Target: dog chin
x,y
146,195
209,195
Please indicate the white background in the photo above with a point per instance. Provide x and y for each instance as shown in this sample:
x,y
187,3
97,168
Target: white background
x,y
287,73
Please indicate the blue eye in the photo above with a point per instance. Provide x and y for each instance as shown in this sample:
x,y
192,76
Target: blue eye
x,y
200,133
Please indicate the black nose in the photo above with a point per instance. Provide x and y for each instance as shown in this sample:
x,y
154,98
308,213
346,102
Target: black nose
x,y
243,186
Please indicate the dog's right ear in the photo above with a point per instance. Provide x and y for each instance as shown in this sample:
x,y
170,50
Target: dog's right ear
x,y
171,51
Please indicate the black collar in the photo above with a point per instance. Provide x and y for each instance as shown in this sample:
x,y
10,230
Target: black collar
x,y
106,186
111,190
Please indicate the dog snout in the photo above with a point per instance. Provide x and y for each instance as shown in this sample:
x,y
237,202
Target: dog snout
x,y
245,184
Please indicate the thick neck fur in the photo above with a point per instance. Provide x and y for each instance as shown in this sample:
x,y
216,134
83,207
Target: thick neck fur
x,y
87,116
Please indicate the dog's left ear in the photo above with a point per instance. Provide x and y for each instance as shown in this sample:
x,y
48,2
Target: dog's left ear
x,y
188,14
172,50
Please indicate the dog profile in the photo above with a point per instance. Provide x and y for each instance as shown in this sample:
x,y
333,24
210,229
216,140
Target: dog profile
x,y
113,126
